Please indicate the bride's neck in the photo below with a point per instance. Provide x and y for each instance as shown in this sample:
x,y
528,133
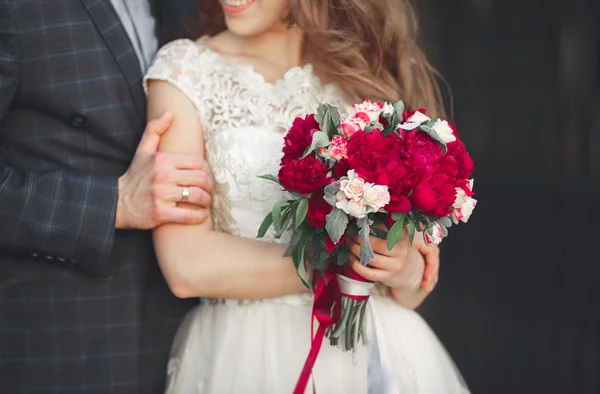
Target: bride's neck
x,y
282,47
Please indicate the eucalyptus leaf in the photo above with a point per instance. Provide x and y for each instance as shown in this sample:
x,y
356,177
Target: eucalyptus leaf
x,y
264,227
270,177
366,251
330,192
445,221
336,223
399,108
319,140
300,214
395,234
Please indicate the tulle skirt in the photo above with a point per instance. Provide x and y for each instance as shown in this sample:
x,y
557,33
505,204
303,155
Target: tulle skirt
x,y
235,347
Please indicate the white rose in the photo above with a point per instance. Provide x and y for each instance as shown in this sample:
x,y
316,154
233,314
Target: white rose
x,y
444,131
418,117
434,235
352,208
377,196
415,121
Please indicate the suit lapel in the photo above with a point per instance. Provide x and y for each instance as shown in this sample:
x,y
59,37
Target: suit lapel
x,y
109,25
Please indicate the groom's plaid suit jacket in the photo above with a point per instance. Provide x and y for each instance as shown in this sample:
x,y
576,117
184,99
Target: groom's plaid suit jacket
x,y
83,308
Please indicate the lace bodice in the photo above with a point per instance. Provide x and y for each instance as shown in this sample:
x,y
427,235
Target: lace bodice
x,y
244,119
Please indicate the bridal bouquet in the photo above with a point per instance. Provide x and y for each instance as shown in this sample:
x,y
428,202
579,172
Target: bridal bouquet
x,y
372,172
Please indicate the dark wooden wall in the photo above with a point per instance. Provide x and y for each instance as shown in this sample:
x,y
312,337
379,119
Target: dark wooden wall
x,y
518,303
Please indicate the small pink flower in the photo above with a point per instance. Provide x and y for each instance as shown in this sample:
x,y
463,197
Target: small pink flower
x,y
339,148
352,125
372,110
377,196
434,235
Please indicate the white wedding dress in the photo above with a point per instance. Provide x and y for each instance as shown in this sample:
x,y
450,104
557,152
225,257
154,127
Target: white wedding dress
x,y
259,347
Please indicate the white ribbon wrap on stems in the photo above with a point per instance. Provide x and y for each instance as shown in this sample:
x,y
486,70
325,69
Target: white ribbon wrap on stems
x,y
355,288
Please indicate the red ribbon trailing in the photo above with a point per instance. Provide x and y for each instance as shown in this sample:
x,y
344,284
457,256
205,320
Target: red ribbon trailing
x,y
327,310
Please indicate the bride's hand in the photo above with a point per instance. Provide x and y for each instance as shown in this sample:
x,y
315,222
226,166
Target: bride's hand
x,y
403,266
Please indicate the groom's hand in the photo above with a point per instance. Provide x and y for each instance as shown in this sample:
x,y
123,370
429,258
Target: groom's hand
x,y
152,187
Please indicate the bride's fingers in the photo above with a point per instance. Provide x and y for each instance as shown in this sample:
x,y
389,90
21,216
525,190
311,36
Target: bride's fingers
x,y
379,245
379,261
372,274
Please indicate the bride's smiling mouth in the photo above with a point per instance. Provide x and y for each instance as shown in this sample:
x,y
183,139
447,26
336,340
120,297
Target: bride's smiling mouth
x,y
236,6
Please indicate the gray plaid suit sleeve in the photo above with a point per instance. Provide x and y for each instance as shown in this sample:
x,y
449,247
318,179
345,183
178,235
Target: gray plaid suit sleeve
x,y
67,217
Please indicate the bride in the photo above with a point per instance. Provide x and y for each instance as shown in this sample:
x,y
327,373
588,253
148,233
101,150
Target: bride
x,y
233,97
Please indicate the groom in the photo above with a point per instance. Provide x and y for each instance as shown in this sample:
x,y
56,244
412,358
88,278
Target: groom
x,y
83,305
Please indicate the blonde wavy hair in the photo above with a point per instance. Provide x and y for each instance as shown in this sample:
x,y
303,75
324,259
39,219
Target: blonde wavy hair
x,y
368,48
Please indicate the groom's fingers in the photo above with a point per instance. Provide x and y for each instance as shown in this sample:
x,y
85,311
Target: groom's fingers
x,y
197,196
154,129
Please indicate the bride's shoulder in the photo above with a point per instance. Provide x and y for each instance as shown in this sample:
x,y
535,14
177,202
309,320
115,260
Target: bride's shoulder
x,y
183,50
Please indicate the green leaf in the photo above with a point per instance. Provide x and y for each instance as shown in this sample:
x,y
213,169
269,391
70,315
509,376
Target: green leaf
x,y
328,118
343,256
411,232
290,250
336,223
300,213
366,251
395,234
301,267
319,140
399,108
265,225
270,177
330,192
398,216
379,233
432,133
286,216
277,219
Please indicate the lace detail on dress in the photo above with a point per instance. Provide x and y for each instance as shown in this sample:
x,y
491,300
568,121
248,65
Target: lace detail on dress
x,y
244,119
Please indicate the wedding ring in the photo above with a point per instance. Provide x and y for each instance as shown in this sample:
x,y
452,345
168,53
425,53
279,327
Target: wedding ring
x,y
185,193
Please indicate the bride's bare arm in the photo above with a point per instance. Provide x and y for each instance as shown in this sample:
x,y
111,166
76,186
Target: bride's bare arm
x,y
195,260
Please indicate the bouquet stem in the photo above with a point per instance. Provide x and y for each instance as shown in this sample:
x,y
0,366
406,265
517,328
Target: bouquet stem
x,y
351,328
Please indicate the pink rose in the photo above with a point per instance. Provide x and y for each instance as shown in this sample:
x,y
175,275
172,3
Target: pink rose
x,y
377,196
353,189
372,110
351,126
434,235
339,148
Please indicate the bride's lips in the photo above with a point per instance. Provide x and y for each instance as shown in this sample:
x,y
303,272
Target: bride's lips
x,y
236,6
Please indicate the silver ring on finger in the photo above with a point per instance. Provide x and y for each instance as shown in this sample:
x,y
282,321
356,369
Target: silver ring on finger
x,y
185,193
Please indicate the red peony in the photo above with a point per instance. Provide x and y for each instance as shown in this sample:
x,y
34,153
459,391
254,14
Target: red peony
x,y
318,209
434,197
298,138
303,176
